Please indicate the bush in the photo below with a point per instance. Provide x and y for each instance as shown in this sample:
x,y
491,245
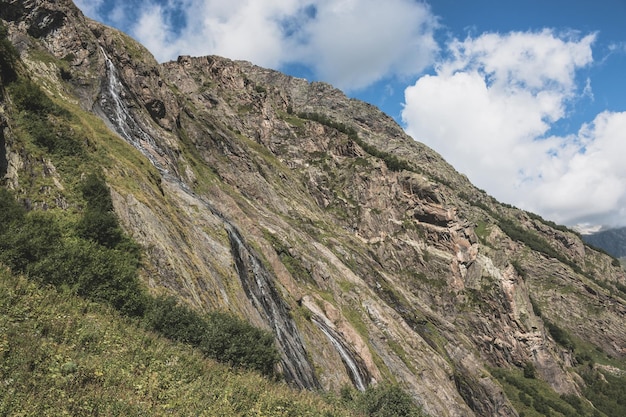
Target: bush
x,y
219,335
530,371
236,342
28,97
392,161
32,243
99,222
10,210
560,336
44,121
388,401
94,272
25,242
96,193
175,321
100,227
8,58
100,263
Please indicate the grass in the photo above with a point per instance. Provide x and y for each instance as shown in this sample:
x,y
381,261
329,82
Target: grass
x,y
534,398
62,355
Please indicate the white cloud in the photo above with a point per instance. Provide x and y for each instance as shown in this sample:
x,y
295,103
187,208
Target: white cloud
x,y
586,180
349,43
90,7
489,109
353,43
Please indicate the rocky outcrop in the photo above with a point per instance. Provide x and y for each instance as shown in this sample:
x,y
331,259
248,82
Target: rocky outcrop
x,y
283,201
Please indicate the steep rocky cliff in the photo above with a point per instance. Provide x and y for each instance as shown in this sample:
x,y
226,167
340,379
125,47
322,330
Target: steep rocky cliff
x,y
315,216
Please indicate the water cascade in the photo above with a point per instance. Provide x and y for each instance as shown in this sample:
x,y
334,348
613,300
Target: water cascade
x,y
258,285
116,113
356,369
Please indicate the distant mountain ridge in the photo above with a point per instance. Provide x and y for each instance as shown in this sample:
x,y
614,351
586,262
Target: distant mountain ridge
x,y
613,241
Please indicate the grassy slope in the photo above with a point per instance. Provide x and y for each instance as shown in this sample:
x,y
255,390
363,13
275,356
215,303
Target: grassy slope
x,y
62,355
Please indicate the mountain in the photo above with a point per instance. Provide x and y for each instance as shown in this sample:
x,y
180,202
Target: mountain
x,y
310,215
611,240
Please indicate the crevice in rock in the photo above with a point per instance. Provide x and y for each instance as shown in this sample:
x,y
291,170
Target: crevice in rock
x,y
4,163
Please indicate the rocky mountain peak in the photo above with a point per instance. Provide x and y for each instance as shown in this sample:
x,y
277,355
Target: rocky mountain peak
x,y
315,216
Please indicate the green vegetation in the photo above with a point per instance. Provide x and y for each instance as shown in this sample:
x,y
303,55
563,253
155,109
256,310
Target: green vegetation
x,y
559,335
551,224
8,59
63,355
530,239
482,231
220,336
47,126
392,161
533,397
606,391
293,265
517,266
95,260
42,246
388,400
384,400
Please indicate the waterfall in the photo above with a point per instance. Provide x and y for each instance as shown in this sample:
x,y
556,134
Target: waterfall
x,y
116,113
358,374
259,288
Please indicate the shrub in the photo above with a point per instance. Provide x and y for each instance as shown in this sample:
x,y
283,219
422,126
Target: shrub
x,y
560,336
29,240
99,222
96,193
530,371
94,272
388,401
175,321
28,97
236,342
219,335
8,58
32,243
10,210
100,263
392,161
100,227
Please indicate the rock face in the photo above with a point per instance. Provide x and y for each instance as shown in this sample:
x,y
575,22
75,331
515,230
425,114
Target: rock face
x,y
314,215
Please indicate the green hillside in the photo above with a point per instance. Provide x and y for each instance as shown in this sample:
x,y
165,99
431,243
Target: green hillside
x,y
63,355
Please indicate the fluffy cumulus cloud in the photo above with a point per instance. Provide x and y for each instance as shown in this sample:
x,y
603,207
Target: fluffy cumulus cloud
x,y
585,180
489,109
349,43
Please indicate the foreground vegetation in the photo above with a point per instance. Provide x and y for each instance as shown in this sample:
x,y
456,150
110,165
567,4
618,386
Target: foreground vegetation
x,y
63,355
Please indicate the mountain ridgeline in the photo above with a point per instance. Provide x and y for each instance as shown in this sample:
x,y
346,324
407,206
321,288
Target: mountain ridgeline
x,y
237,194
612,241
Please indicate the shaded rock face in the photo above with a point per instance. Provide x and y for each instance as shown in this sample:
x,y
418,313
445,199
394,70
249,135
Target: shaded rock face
x,y
277,199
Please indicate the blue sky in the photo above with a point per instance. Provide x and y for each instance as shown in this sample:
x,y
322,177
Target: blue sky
x,y
527,98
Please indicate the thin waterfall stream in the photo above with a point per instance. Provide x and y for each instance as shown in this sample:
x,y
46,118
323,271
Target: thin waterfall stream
x,y
122,121
358,374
